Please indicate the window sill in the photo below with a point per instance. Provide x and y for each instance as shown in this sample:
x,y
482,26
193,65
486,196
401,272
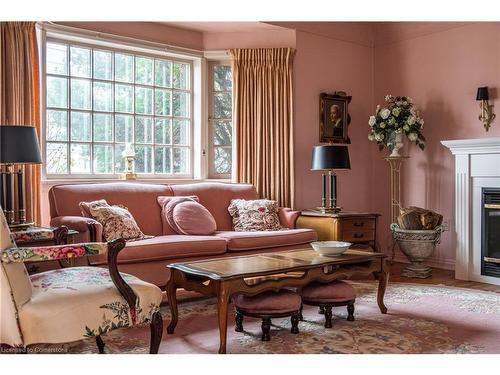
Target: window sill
x,y
169,181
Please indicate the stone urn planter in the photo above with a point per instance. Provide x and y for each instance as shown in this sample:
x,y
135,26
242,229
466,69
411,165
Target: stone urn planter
x,y
418,246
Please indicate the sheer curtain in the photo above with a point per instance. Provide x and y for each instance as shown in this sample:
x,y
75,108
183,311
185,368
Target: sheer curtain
x,y
20,96
263,108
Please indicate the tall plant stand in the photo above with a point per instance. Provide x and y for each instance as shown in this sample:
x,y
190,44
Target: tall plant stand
x,y
395,163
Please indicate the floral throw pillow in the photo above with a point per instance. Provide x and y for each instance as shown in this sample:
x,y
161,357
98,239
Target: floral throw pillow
x,y
117,221
254,215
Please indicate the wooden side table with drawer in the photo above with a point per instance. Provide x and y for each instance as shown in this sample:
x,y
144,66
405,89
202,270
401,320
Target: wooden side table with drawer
x,y
360,228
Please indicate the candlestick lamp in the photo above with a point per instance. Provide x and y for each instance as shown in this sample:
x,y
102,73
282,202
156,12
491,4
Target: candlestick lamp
x,y
18,146
330,158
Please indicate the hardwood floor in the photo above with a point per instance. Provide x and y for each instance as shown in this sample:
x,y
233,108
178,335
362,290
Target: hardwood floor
x,y
439,276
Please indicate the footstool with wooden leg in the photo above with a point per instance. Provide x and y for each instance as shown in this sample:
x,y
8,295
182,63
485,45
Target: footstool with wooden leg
x,y
268,305
327,296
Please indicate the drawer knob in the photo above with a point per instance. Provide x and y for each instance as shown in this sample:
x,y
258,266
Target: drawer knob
x,y
358,235
359,223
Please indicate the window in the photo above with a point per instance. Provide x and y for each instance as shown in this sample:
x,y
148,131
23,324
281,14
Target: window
x,y
99,99
220,120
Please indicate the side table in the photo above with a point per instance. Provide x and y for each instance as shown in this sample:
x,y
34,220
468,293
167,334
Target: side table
x,y
360,228
35,236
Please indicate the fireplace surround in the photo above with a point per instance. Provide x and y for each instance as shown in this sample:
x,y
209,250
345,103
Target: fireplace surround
x,y
477,169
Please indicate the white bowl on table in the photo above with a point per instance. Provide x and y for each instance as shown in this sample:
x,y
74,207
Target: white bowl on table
x,y
330,248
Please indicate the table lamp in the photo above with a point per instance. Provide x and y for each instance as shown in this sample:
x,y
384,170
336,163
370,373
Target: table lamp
x,y
18,146
330,158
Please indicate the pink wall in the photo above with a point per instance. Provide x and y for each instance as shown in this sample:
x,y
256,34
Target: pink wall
x,y
441,72
256,39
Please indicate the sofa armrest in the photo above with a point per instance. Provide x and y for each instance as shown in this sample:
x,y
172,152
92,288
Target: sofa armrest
x,y
55,252
90,229
288,217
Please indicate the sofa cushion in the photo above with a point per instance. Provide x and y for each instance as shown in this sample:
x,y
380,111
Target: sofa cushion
x,y
254,215
190,217
163,201
168,247
238,241
216,197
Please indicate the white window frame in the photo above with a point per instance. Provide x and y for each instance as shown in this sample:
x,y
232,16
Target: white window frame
x,y
210,127
83,40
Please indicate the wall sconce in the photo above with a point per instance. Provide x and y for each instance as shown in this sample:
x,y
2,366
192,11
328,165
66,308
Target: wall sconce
x,y
487,115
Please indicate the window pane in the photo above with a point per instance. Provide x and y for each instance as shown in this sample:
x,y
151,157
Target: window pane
x,y
57,92
103,62
103,127
80,126
57,125
124,67
222,78
80,62
80,158
124,98
103,158
143,70
222,160
223,105
180,132
143,100
163,75
119,159
162,159
103,96
162,131
143,129
124,128
162,102
222,133
57,158
181,104
57,58
180,76
181,160
143,159
80,94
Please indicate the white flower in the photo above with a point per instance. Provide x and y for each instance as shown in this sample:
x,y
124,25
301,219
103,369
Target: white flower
x,y
396,112
382,125
371,137
387,98
406,127
379,137
377,109
392,121
385,113
372,121
412,137
411,120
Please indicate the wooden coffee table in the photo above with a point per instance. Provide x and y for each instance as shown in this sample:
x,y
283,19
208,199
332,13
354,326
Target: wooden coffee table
x,y
253,274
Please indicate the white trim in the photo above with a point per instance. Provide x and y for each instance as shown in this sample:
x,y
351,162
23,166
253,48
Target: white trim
x,y
217,55
473,146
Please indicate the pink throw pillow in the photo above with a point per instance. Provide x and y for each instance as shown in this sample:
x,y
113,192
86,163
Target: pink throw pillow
x,y
186,216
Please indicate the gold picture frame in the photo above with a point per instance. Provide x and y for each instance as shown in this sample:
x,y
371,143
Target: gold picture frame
x,y
334,117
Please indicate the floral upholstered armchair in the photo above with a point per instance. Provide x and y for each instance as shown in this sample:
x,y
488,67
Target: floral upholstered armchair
x,y
70,304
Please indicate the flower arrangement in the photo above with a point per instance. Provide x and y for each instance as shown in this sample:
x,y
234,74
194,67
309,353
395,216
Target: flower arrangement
x,y
398,117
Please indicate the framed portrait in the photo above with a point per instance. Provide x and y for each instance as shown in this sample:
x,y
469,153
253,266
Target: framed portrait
x,y
334,117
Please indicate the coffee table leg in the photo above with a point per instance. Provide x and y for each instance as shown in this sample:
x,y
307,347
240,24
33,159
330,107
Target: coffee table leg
x,y
222,307
383,278
172,302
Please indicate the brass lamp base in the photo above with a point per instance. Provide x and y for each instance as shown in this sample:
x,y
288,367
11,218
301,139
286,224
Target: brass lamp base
x,y
20,226
129,176
329,210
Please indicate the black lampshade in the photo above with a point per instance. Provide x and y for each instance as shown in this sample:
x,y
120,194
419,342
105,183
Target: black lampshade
x,y
326,157
18,145
482,93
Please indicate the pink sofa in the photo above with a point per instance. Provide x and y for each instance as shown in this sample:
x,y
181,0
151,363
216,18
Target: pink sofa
x,y
147,259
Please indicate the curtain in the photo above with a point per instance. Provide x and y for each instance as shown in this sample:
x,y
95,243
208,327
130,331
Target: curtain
x,y
20,97
263,107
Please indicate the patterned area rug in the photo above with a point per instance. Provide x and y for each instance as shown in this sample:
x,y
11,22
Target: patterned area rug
x,y
421,319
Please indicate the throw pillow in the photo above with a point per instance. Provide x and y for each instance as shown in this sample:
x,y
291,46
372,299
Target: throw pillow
x,y
186,216
254,215
117,222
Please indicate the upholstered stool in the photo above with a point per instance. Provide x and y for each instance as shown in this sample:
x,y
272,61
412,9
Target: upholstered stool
x,y
326,296
268,305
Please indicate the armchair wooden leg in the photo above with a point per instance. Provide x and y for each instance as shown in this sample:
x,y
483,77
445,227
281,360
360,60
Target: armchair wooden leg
x,y
156,332
100,344
301,317
328,316
295,324
266,327
350,311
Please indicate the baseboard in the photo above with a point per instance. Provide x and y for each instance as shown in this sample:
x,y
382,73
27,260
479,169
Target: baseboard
x,y
445,264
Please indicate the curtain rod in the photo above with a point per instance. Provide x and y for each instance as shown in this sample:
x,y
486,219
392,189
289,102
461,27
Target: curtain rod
x,y
109,37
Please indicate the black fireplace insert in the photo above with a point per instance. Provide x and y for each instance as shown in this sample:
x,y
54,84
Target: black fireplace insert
x,y
490,242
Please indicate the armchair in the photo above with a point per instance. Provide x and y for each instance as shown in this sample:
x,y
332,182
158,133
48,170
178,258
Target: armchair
x,y
70,304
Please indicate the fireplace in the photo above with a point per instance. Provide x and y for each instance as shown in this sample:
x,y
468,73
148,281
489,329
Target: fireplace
x,y
490,242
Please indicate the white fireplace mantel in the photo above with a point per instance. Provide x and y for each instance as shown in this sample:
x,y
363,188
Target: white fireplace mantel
x,y
477,165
